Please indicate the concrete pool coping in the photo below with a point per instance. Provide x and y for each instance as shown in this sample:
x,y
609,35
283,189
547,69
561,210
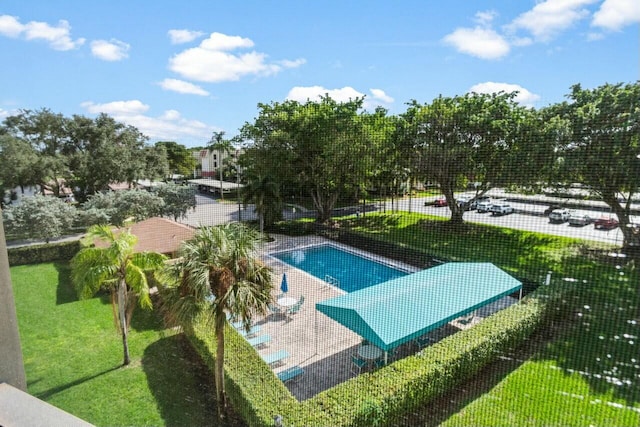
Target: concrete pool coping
x,y
316,343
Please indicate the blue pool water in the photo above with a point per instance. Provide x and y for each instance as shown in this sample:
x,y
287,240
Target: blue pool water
x,y
352,271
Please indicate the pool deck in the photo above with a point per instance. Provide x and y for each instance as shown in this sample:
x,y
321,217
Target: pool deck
x,y
318,344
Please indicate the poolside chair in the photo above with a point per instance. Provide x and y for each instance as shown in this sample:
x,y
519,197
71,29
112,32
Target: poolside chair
x,y
357,364
290,374
296,307
275,309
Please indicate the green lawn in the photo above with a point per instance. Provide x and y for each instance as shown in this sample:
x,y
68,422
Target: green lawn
x,y
586,374
73,357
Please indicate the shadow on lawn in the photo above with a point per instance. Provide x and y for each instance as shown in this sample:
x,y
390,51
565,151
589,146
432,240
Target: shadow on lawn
x,y
65,293
45,395
182,387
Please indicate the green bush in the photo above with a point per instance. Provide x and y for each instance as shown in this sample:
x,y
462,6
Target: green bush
x,y
390,393
36,254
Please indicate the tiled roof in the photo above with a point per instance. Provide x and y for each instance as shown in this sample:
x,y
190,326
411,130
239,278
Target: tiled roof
x,y
159,235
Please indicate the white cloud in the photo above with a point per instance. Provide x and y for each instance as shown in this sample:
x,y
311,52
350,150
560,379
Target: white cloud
x,y
485,18
303,94
113,50
481,42
211,61
58,36
170,125
523,97
550,17
616,14
219,41
181,86
183,36
380,95
10,26
116,107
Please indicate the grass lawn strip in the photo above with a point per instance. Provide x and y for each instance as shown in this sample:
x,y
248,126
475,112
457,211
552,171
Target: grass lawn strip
x,y
73,357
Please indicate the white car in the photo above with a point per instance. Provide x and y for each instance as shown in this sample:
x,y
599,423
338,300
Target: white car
x,y
559,216
484,206
502,209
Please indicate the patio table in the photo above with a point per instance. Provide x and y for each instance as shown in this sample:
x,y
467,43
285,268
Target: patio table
x,y
287,301
369,352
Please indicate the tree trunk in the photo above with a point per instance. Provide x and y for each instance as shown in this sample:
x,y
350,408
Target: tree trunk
x,y
261,223
623,216
456,210
122,315
220,169
219,372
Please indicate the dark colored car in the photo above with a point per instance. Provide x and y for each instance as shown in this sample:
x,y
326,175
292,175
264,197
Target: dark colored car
x,y
605,223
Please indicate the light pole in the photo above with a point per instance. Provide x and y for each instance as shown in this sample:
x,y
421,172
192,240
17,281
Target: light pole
x,y
238,169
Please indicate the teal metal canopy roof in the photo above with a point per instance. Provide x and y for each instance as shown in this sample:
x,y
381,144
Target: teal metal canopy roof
x,y
402,309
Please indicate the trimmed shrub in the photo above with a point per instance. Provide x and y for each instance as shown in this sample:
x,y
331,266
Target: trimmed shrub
x,y
36,254
386,395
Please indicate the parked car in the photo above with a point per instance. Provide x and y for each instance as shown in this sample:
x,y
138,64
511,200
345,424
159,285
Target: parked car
x,y
551,208
559,215
502,209
605,223
484,206
440,202
579,219
465,203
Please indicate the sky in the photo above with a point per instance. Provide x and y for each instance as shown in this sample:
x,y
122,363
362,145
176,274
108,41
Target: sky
x,y
181,70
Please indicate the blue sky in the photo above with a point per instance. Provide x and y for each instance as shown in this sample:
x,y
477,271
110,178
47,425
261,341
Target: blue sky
x,y
179,70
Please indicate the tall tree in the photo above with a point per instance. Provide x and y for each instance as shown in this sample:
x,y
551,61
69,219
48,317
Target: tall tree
x,y
264,193
19,161
604,148
181,161
119,269
318,146
47,133
221,147
219,276
464,138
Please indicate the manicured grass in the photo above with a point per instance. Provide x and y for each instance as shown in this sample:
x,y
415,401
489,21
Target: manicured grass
x,y
587,374
73,357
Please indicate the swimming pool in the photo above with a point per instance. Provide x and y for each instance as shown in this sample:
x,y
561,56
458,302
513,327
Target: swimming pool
x,y
353,272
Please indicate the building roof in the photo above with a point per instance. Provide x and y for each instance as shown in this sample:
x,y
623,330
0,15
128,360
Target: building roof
x,y
402,309
158,235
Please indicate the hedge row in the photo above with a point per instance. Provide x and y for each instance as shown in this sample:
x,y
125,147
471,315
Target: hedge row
x,y
252,389
36,254
387,394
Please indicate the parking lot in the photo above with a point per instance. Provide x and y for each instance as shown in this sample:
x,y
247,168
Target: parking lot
x,y
534,220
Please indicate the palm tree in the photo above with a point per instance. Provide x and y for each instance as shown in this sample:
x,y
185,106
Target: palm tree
x,y
222,146
264,193
118,269
218,276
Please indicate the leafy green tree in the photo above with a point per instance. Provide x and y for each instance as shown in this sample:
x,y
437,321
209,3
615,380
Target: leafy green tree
x,y
222,147
218,276
19,161
318,146
121,206
47,134
118,269
264,193
156,163
603,150
464,138
40,217
178,199
181,161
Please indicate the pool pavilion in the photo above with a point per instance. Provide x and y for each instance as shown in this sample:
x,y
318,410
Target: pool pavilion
x,y
401,310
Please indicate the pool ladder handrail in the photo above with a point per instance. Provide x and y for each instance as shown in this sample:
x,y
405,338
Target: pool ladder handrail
x,y
330,280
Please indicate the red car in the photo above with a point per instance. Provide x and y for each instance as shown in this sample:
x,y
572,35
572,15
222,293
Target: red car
x,y
441,202
605,223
